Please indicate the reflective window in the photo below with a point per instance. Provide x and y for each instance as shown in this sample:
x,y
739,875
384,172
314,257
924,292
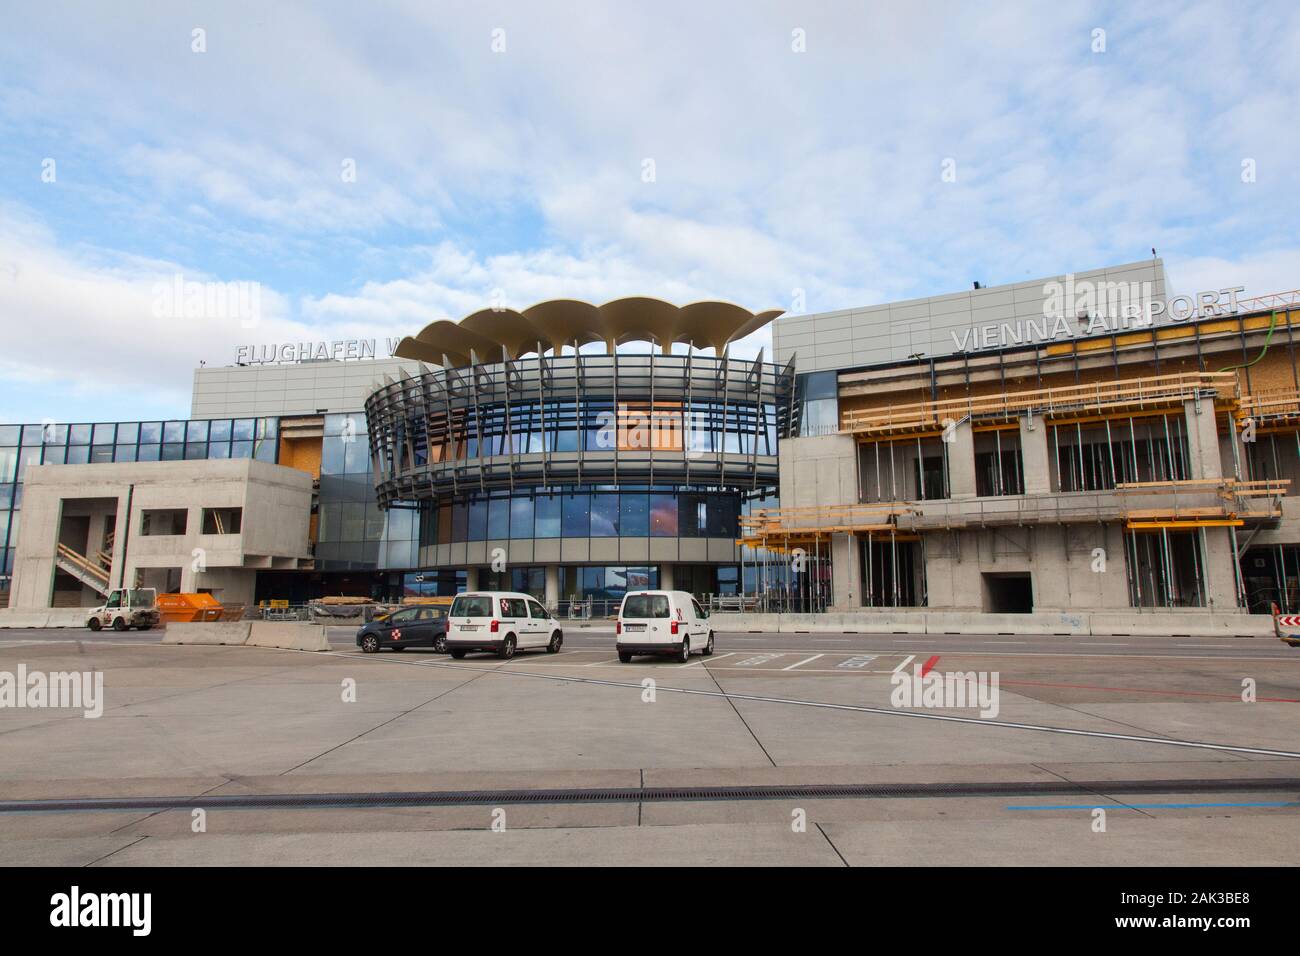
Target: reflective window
x,y
498,518
663,516
521,517
634,515
547,516
604,516
577,522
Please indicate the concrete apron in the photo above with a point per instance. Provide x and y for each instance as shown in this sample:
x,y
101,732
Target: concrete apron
x,y
1067,623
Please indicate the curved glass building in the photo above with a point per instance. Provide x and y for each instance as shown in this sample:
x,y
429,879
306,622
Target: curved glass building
x,y
576,476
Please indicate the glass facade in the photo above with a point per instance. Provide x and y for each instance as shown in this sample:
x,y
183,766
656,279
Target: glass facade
x,y
582,512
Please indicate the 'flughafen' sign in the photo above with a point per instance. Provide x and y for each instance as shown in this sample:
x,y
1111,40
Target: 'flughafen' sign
x,y
1079,309
337,350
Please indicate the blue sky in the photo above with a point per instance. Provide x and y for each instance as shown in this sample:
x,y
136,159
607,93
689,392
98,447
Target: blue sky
x,y
521,170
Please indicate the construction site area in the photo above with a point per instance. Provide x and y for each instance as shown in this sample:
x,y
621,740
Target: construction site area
x,y
1148,469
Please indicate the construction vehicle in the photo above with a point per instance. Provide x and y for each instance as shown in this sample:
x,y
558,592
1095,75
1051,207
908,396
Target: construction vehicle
x,y
126,608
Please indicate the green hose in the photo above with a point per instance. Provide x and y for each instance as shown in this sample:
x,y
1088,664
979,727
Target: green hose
x,y
1262,352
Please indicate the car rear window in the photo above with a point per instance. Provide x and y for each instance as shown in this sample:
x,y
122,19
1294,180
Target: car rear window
x,y
645,605
476,606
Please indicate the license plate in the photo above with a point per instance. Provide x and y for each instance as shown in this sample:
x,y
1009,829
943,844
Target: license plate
x,y
633,627
469,627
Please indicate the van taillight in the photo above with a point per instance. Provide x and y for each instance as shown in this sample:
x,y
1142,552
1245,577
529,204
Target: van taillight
x,y
494,626
618,627
672,627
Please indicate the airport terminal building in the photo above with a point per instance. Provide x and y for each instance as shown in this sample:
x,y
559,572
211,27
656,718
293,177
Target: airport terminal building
x,y
1079,442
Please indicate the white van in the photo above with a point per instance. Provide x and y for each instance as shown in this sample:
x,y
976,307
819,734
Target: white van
x,y
502,622
662,622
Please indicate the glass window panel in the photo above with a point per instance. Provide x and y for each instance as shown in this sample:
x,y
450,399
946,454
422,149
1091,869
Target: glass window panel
x,y
55,455
79,434
196,431
78,454
241,449
268,427
354,521
34,435
242,429
28,456
151,432
459,521
356,453
663,516
478,519
219,449
332,459
499,518
9,434
174,431
218,430
604,516
173,451
58,435
547,516
8,463
634,515
521,517
443,525
101,453
577,521
196,450
264,450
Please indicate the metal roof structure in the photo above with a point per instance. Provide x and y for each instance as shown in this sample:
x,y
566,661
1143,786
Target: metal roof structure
x,y
490,335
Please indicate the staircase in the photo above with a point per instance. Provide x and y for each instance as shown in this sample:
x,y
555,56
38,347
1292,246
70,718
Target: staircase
x,y
92,573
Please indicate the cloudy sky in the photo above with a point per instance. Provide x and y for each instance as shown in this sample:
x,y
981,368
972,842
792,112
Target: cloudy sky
x,y
375,166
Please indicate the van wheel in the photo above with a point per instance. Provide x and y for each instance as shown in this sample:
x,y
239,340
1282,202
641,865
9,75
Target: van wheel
x,y
624,657
458,654
708,648
685,654
556,640
370,644
94,624
119,624
507,648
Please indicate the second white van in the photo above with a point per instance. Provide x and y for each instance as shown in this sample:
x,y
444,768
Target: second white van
x,y
662,622
501,622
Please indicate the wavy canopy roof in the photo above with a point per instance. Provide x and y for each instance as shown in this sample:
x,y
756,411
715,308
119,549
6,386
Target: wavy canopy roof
x,y
483,336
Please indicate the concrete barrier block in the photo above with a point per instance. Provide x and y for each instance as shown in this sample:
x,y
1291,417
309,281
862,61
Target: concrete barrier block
x,y
207,632
14,617
290,636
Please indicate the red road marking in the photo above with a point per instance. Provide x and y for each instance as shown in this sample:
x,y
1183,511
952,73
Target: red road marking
x,y
929,665
1146,690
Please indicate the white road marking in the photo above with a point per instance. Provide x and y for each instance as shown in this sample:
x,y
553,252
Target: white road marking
x,y
858,660
910,658
1099,644
707,660
1006,642
758,659
807,660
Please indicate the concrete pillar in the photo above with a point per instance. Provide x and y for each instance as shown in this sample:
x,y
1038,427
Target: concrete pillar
x,y
1202,439
961,462
1034,456
846,573
1220,575
552,587
666,582
471,579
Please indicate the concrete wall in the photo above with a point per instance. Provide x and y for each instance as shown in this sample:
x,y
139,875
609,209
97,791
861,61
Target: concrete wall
x,y
276,505
818,470
304,388
893,331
